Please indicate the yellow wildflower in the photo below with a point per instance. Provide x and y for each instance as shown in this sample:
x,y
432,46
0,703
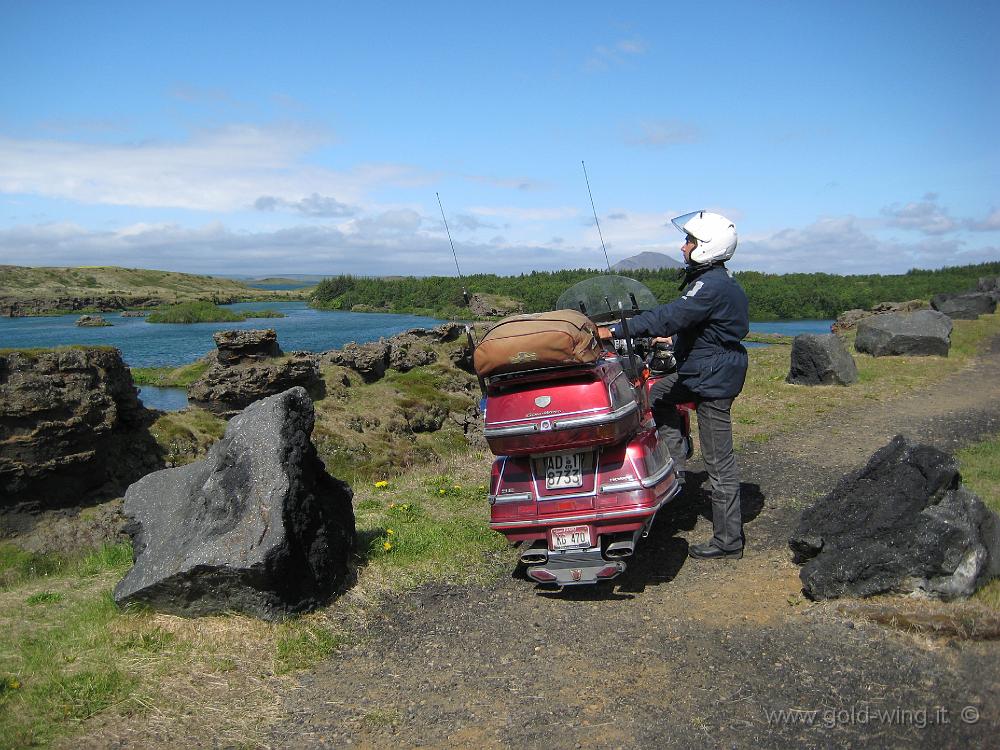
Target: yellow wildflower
x,y
387,546
381,484
390,532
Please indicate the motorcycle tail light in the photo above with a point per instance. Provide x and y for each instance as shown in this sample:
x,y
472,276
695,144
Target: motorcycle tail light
x,y
607,571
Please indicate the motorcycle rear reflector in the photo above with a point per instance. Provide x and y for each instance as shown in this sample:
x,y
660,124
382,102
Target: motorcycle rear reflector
x,y
540,574
609,571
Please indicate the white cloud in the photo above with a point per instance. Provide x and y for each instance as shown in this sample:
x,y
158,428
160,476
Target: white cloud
x,y
222,170
924,216
401,241
843,245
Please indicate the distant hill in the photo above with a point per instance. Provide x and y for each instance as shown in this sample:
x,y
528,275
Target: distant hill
x,y
27,290
650,260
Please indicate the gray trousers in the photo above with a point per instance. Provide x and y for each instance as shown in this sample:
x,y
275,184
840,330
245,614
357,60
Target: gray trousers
x,y
715,436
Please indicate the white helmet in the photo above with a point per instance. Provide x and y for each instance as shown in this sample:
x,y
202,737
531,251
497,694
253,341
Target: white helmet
x,y
715,233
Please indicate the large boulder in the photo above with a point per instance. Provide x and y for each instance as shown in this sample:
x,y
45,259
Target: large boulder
x,y
247,367
920,333
258,526
821,359
850,318
92,321
72,428
902,524
964,306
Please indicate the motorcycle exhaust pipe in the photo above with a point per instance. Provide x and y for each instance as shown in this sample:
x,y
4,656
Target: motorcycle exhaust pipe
x,y
619,549
535,555
622,547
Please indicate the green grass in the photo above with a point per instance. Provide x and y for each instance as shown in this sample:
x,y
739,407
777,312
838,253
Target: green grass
x,y
980,466
53,652
68,653
170,377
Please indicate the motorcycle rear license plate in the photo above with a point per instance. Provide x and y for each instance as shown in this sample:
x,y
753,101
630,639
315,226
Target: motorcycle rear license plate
x,y
571,537
564,470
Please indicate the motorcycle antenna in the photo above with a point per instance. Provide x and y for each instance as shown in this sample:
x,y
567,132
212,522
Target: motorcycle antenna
x,y
465,294
599,233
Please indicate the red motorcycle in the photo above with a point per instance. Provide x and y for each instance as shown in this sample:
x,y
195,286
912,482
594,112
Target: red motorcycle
x,y
579,475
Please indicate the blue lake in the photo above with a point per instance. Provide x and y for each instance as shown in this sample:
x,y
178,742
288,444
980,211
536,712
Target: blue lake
x,y
145,344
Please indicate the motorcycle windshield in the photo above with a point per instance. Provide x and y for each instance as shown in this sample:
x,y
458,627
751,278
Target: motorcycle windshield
x,y
599,298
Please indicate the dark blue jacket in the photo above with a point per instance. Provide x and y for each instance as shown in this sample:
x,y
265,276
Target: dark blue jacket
x,y
709,321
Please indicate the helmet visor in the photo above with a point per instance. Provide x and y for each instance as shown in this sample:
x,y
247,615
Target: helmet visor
x,y
681,223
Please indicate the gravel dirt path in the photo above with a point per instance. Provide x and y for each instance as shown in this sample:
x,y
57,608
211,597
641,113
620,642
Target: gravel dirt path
x,y
677,652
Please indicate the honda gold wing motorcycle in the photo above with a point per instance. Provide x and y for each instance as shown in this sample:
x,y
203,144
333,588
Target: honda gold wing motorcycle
x,y
579,474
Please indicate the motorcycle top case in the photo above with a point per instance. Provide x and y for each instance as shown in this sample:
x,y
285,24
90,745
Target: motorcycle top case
x,y
561,409
529,342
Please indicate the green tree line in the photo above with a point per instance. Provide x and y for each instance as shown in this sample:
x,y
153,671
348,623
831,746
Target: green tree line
x,y
772,296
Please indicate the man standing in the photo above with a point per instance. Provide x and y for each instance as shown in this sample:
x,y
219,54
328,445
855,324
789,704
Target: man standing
x,y
708,323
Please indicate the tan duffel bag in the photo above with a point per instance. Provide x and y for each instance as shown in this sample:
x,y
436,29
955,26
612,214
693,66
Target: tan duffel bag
x,y
529,342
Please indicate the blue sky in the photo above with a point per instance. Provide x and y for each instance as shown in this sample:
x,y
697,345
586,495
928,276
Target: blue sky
x,y
312,137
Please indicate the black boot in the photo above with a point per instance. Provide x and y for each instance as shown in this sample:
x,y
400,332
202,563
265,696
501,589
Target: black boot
x,y
710,552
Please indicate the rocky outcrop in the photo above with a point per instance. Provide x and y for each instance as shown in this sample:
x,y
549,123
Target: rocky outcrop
x,y
246,368
921,333
72,428
258,526
402,352
850,318
967,306
246,346
14,307
91,321
902,524
821,359
133,314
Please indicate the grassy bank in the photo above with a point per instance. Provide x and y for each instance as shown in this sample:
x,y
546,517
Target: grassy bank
x,y
47,290
169,377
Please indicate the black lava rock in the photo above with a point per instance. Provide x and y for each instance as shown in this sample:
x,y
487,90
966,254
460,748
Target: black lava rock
x,y
964,306
901,524
821,359
258,526
920,333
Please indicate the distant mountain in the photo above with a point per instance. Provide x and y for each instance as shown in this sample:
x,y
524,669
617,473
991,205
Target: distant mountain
x,y
648,260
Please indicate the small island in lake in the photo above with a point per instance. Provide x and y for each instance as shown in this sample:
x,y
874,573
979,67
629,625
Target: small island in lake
x,y
206,312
